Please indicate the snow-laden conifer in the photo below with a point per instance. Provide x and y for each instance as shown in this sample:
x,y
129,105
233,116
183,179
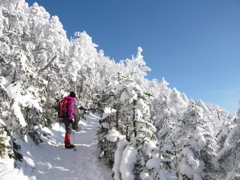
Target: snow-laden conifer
x,y
228,156
195,145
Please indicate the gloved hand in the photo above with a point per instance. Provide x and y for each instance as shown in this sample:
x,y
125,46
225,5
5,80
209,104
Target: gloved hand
x,y
71,120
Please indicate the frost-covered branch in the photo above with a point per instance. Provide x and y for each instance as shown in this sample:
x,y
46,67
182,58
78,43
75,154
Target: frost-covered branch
x,y
47,66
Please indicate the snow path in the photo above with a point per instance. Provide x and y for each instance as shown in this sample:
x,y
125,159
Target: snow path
x,y
51,161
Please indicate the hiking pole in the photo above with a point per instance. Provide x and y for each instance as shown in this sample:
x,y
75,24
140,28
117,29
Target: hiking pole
x,y
74,141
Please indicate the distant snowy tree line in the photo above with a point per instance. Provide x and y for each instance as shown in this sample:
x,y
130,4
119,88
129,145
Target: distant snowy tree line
x,y
147,130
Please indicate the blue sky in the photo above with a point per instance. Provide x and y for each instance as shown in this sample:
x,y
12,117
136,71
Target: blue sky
x,y
193,44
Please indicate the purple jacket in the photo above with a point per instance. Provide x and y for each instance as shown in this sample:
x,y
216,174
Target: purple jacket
x,y
70,106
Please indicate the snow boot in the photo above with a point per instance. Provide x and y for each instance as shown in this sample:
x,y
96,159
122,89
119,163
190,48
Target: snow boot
x,y
69,146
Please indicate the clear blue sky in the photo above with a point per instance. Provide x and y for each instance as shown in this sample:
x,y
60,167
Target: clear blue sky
x,y
193,44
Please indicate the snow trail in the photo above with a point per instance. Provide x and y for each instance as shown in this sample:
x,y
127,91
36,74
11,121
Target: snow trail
x,y
50,161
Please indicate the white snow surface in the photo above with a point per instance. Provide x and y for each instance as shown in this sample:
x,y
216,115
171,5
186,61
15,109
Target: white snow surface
x,y
50,160
126,167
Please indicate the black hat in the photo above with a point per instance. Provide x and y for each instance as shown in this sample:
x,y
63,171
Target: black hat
x,y
72,94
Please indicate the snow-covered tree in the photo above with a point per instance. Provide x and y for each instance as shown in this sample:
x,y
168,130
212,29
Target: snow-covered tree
x,y
130,117
228,156
26,103
194,145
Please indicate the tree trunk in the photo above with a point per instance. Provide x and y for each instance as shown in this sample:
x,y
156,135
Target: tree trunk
x,y
117,115
127,133
134,120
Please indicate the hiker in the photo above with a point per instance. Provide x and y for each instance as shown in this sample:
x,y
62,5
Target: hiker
x,y
68,120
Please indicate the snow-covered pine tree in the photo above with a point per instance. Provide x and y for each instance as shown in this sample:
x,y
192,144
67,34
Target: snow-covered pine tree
x,y
108,136
136,125
195,145
110,105
228,156
168,108
86,59
136,68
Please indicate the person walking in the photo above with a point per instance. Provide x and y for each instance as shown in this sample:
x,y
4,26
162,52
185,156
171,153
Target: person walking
x,y
68,120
